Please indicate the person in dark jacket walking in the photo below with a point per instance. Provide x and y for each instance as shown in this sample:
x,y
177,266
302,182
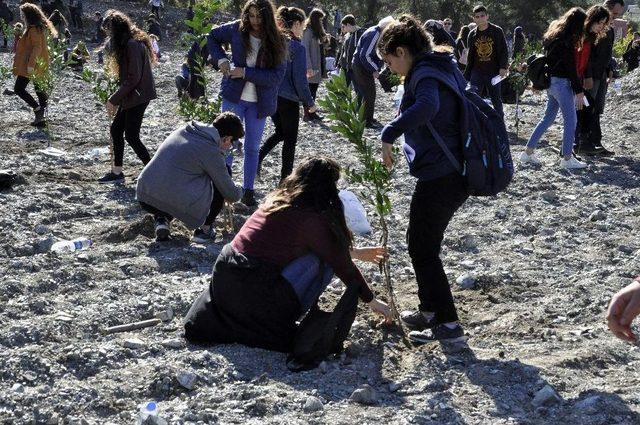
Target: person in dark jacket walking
x,y
596,81
566,91
188,179
519,42
250,88
488,57
441,190
366,67
278,265
293,90
132,54
351,33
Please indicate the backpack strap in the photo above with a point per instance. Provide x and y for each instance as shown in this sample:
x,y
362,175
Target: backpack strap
x,y
444,148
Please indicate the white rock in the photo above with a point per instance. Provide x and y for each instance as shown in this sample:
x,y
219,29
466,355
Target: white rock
x,y
597,215
134,343
17,388
187,379
365,395
173,343
165,315
546,396
466,281
313,404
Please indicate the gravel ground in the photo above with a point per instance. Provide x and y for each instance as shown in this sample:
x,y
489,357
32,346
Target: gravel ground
x,y
546,256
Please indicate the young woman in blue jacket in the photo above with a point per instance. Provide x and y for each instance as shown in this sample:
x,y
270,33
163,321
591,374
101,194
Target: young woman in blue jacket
x,y
407,50
293,90
249,88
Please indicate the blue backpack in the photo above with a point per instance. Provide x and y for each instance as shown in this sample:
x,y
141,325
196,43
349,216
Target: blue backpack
x,y
487,163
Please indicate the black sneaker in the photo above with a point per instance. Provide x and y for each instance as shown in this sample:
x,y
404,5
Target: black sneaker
x,y
415,320
200,236
248,198
8,92
440,333
586,149
111,178
40,120
163,229
602,151
375,125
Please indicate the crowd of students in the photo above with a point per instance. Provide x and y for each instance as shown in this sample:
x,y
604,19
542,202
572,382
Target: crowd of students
x,y
285,254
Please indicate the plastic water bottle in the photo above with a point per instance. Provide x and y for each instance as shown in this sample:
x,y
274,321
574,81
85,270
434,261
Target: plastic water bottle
x,y
70,246
397,98
617,86
147,410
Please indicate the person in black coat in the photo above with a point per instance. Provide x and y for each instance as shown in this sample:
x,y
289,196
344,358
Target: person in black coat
x,y
632,54
6,17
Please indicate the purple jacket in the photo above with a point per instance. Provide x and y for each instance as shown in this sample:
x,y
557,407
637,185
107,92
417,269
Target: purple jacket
x,y
266,80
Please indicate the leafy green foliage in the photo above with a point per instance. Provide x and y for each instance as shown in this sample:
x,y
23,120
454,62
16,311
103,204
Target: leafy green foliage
x,y
102,84
203,11
620,45
202,110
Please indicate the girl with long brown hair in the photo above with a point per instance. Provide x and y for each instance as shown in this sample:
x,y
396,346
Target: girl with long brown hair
x,y
256,295
31,60
250,87
566,93
130,58
313,40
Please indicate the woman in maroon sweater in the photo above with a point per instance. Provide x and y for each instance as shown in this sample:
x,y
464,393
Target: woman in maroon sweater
x,y
279,263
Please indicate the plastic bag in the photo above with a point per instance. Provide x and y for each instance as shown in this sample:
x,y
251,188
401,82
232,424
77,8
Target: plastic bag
x,y
354,213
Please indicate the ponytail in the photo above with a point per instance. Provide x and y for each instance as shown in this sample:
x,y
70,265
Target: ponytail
x,y
287,16
405,32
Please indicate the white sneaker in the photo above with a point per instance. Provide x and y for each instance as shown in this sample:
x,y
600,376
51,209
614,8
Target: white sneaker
x,y
572,164
529,159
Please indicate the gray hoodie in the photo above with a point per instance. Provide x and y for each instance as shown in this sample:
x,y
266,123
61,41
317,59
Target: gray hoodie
x,y
180,178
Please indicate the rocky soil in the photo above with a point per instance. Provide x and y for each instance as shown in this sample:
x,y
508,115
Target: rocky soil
x,y
545,257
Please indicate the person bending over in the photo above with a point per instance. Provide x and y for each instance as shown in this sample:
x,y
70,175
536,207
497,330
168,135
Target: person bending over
x,y
188,178
279,263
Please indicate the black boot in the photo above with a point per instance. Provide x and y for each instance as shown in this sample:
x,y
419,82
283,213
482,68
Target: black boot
x,y
248,198
39,121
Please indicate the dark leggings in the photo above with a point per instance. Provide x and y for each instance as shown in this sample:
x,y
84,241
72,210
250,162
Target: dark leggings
x,y
432,206
126,125
20,89
216,206
314,89
285,120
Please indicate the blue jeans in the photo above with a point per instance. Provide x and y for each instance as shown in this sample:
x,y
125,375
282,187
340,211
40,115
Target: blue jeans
x,y
479,82
253,128
561,97
308,277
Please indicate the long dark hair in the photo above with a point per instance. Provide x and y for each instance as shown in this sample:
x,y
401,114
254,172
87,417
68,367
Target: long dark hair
x,y
273,41
312,185
287,16
122,29
568,28
408,33
58,18
315,23
33,17
595,14
464,34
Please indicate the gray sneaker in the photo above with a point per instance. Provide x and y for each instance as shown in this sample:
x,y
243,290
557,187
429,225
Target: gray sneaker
x,y
200,236
415,320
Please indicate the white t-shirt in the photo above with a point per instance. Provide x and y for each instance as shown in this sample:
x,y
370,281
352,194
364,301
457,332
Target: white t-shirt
x,y
249,93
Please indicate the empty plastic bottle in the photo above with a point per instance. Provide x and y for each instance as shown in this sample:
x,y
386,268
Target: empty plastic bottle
x,y
397,98
70,246
148,410
617,86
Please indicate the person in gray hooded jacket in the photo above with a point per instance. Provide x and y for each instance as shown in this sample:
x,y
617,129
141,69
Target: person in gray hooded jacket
x,y
188,178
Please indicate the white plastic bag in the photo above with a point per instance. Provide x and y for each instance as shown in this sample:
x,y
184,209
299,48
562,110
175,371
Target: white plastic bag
x,y
354,213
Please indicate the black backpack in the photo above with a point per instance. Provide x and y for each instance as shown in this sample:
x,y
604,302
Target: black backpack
x,y
538,72
321,333
487,163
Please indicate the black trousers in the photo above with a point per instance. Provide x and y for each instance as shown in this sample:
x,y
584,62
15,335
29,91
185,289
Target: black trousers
x,y
20,89
365,86
216,206
432,206
313,87
286,122
126,125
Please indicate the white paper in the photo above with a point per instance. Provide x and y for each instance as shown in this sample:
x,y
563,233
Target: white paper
x,y
495,80
585,101
354,213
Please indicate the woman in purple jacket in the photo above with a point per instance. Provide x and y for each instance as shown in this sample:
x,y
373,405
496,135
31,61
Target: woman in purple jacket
x,y
293,90
250,87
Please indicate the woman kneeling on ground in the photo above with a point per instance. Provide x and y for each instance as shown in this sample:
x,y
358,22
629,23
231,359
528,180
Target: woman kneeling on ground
x,y
299,232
